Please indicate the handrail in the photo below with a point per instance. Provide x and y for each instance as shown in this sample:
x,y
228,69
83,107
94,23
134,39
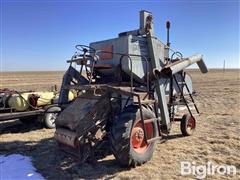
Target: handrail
x,y
129,57
131,76
94,58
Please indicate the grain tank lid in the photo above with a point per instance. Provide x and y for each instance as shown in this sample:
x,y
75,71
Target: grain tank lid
x,y
127,33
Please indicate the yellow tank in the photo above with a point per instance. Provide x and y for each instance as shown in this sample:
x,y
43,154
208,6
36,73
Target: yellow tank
x,y
45,98
22,103
71,96
19,103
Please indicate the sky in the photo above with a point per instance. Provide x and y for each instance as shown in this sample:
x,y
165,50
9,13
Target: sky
x,y
41,35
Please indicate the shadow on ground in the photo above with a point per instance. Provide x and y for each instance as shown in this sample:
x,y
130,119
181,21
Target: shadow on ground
x,y
16,126
52,163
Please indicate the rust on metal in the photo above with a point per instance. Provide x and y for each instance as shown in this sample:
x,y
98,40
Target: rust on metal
x,y
106,53
65,136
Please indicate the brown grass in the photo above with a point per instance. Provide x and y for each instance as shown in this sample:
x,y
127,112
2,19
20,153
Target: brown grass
x,y
30,80
216,139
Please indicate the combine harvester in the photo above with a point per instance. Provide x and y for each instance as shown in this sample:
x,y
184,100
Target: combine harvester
x,y
131,94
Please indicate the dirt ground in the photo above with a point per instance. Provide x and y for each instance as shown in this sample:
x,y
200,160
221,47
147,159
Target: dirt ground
x,y
217,138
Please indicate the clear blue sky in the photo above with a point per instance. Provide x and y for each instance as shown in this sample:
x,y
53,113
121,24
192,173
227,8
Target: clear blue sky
x,y
40,35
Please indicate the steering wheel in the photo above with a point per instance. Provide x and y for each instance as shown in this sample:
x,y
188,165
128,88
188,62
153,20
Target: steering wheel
x,y
177,53
85,48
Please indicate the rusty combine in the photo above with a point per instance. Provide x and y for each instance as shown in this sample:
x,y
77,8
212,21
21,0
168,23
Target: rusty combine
x,y
130,90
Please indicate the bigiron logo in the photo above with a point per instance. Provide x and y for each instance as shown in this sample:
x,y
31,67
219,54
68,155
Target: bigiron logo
x,y
201,171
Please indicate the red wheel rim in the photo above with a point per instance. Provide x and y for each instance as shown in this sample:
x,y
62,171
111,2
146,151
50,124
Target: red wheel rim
x,y
191,123
137,136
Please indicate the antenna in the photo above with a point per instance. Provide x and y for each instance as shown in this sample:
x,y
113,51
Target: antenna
x,y
224,65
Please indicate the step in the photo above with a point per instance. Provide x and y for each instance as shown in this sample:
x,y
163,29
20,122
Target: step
x,y
184,83
148,101
150,120
182,103
154,139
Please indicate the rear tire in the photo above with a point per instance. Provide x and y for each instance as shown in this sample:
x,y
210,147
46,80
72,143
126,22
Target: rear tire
x,y
188,125
127,138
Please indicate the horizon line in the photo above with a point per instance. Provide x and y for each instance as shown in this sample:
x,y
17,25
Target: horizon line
x,y
65,70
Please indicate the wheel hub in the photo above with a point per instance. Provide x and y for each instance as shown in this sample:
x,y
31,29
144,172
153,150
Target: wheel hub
x,y
139,134
137,137
191,124
52,117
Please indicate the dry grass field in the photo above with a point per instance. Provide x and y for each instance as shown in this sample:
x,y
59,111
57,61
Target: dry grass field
x,y
217,138
30,80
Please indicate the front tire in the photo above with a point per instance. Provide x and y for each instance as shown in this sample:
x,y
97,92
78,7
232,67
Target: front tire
x,y
127,137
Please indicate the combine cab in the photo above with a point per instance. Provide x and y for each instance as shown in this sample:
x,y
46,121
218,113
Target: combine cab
x,y
129,92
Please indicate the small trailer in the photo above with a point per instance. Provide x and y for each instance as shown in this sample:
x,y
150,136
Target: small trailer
x,y
29,106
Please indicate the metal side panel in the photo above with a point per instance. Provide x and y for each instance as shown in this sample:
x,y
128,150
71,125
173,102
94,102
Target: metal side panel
x,y
138,46
76,111
116,45
129,45
188,81
84,113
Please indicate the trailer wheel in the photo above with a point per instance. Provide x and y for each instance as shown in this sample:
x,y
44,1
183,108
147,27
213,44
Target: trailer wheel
x,y
188,125
127,137
50,117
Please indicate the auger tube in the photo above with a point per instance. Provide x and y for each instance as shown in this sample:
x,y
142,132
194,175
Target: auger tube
x,y
183,64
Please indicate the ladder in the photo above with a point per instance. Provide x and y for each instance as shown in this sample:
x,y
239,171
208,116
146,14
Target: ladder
x,y
184,84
